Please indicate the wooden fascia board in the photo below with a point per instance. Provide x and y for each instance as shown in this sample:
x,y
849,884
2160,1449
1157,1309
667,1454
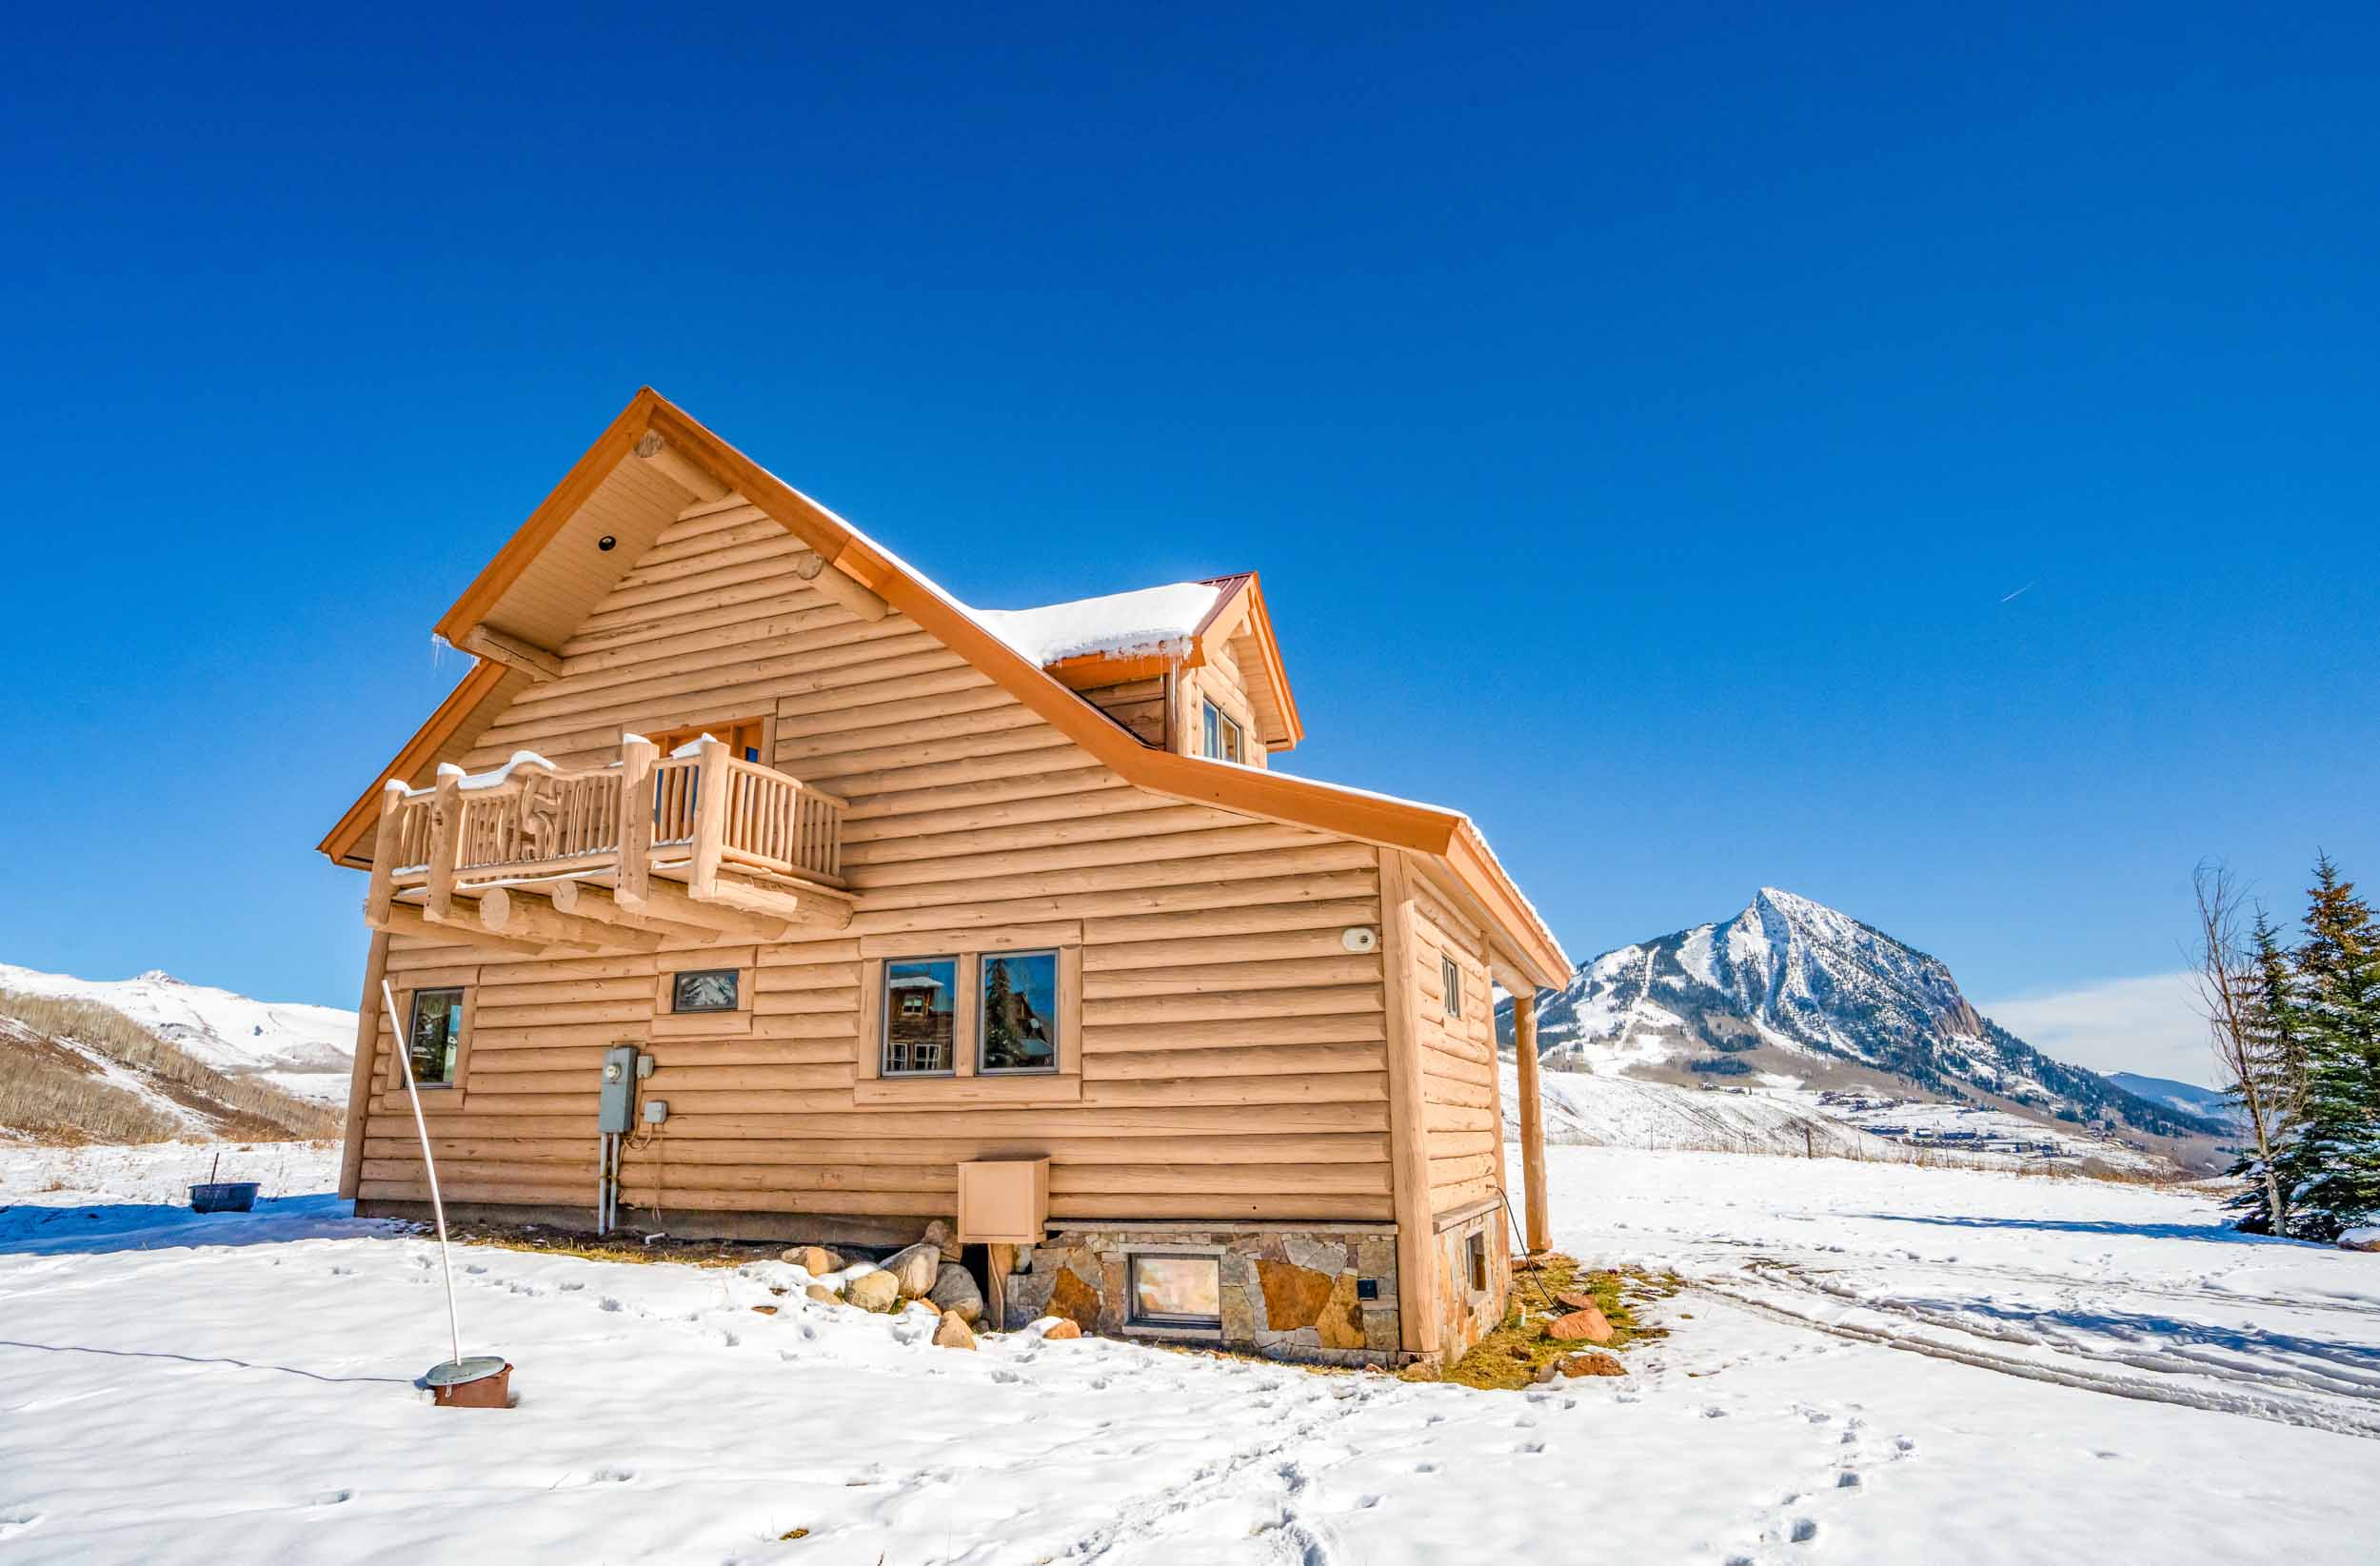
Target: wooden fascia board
x,y
1092,669
1245,603
552,514
364,814
1529,942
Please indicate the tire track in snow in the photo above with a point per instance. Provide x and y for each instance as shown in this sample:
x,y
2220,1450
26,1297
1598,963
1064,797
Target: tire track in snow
x,y
2276,1408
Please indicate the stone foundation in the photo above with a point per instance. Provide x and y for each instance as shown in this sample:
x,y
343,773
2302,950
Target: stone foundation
x,y
1287,1293
1465,1315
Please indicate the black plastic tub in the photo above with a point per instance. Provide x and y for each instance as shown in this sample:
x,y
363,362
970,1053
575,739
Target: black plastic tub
x,y
231,1196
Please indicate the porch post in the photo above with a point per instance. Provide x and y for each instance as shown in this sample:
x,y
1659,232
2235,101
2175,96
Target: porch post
x,y
1532,1119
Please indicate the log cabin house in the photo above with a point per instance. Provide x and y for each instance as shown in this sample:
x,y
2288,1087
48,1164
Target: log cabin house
x,y
751,882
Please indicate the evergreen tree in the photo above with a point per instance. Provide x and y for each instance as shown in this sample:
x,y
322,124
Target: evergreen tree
x,y
2335,1162
2269,1072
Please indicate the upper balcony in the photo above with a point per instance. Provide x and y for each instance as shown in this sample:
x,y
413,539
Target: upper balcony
x,y
697,845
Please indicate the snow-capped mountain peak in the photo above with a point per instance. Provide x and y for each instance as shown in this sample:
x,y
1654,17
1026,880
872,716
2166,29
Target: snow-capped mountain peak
x,y
304,1049
1797,987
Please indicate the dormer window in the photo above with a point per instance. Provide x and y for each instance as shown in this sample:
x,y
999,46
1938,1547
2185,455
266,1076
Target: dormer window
x,y
1223,742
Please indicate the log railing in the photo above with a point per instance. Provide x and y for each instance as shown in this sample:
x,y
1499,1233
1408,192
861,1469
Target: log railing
x,y
532,819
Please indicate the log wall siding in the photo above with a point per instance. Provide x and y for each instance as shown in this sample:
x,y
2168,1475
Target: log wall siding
x,y
1461,1089
1233,1055
1219,681
1138,704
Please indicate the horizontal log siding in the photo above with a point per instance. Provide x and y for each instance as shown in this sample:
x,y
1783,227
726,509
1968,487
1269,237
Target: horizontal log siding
x,y
1232,1052
1138,704
1462,1114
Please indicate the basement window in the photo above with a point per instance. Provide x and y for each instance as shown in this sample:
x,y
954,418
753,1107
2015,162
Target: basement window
x,y
921,1016
434,1035
1184,1293
1449,980
1223,736
1474,1260
1020,998
704,989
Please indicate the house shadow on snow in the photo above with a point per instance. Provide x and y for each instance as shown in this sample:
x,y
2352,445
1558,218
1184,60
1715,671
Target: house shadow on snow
x,y
2203,1232
108,1227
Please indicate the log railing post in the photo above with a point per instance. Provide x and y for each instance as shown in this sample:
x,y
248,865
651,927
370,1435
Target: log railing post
x,y
445,829
1532,1119
637,755
710,818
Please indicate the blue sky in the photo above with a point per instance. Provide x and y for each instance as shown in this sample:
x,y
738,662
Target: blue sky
x,y
1643,418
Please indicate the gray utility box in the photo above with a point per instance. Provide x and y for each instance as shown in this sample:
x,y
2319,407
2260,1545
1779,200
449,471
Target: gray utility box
x,y
616,1110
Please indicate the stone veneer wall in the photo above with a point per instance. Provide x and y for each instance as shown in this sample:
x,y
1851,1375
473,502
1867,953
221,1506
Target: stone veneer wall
x,y
1288,1292
1465,1317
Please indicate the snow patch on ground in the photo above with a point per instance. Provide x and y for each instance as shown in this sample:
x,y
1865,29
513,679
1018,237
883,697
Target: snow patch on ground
x,y
1868,1363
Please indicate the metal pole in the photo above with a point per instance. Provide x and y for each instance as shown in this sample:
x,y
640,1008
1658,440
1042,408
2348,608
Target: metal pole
x,y
405,1063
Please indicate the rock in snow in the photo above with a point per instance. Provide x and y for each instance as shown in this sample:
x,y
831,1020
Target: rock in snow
x,y
914,1269
954,1292
877,1291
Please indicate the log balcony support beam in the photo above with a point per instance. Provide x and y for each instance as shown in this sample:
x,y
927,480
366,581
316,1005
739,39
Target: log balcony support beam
x,y
517,912
513,653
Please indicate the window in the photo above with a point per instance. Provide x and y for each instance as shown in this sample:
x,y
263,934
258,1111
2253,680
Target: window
x,y
744,737
1177,1290
434,1041
1474,1260
706,989
921,1016
1449,980
1223,736
1019,1031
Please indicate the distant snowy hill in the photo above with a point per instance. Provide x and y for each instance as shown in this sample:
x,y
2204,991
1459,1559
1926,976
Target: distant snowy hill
x,y
2187,1096
301,1049
1791,992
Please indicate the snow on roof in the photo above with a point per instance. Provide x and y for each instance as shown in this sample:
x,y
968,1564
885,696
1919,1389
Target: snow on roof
x,y
1151,620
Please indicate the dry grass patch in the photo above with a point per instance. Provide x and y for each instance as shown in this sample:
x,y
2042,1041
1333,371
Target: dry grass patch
x,y
543,1239
1511,1356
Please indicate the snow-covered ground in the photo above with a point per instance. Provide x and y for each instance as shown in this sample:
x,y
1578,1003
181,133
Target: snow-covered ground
x,y
298,1048
1872,1363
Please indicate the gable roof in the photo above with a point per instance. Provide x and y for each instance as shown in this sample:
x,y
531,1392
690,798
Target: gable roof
x,y
605,495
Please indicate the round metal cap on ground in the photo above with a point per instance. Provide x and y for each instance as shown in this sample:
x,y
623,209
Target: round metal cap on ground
x,y
483,1381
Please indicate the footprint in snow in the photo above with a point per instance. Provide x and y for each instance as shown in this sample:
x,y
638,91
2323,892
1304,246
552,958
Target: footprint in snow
x,y
15,1521
1804,1531
571,1287
610,1304
473,1268
332,1498
1426,1468
1847,1479
1529,1448
1903,1447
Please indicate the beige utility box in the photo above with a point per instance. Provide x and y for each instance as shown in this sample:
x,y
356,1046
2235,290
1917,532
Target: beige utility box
x,y
1005,1202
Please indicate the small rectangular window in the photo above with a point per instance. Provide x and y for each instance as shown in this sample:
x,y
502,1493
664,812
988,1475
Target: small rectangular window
x,y
1450,978
921,1011
1020,998
435,1035
1476,1261
1223,736
1177,1290
708,989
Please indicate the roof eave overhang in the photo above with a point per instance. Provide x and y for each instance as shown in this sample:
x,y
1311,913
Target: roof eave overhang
x,y
1444,835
